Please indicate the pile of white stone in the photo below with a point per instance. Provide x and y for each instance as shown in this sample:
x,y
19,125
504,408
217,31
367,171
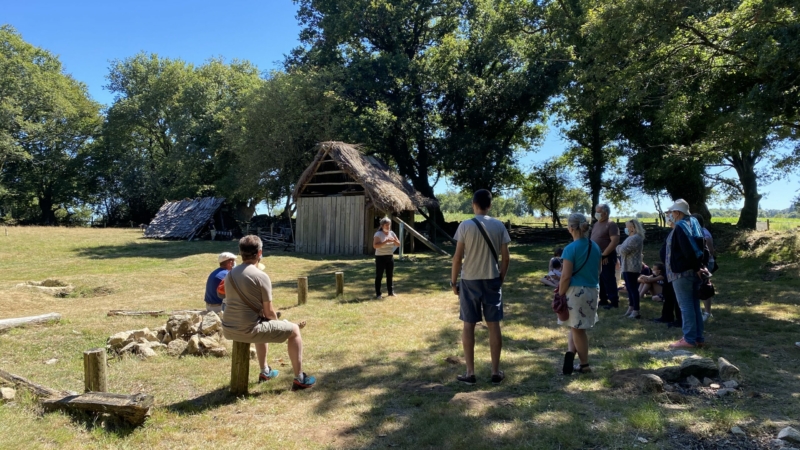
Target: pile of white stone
x,y
196,334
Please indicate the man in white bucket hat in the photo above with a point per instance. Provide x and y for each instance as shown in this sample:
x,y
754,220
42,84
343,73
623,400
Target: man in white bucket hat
x,y
227,261
684,264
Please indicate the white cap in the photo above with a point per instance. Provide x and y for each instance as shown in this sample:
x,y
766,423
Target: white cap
x,y
224,256
680,205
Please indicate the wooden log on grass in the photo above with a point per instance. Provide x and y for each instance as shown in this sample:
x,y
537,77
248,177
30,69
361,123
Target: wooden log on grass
x,y
339,283
302,290
122,312
240,368
133,408
37,389
6,324
94,370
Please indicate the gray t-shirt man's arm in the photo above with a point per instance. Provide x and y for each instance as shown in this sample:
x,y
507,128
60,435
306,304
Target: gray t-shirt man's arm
x,y
479,264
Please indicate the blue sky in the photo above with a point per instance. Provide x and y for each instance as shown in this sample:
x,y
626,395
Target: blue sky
x,y
86,35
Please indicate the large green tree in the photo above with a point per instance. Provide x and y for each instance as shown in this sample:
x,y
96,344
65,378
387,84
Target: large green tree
x,y
724,73
275,132
435,87
165,134
47,124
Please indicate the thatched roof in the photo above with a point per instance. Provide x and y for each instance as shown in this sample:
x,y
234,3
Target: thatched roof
x,y
182,219
387,190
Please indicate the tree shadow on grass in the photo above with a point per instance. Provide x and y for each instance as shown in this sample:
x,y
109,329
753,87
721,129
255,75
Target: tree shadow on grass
x,y
148,248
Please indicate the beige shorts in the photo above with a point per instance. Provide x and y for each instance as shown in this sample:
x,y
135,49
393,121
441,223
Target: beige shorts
x,y
270,332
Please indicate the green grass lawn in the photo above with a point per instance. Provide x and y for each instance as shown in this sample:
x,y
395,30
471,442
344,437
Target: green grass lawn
x,y
381,364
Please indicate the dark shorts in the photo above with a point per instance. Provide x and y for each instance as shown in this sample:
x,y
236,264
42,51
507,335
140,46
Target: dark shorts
x,y
480,299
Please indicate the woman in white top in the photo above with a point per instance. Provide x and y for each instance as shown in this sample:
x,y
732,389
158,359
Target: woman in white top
x,y
384,242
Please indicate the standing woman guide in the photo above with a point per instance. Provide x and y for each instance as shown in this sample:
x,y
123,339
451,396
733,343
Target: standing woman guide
x,y
384,242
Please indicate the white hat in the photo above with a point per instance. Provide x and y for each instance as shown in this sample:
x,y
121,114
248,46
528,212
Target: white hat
x,y
680,205
224,256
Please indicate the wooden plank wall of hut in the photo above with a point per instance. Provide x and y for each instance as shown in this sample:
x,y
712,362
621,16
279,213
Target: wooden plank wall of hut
x,y
330,225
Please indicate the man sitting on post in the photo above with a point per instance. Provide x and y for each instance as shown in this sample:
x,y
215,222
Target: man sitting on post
x,y
250,316
480,240
226,262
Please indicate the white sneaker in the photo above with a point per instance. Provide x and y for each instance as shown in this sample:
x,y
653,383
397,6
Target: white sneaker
x,y
707,316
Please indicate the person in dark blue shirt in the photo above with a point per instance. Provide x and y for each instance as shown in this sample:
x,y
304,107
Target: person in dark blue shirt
x,y
213,301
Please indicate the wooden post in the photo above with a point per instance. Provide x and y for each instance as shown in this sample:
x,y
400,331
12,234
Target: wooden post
x,y
402,239
302,290
339,283
94,370
240,368
767,224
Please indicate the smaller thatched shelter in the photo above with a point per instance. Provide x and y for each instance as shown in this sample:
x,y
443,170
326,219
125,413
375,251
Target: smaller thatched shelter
x,y
190,218
341,196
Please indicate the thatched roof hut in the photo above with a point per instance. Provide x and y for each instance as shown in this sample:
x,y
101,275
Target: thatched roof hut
x,y
189,218
386,189
340,195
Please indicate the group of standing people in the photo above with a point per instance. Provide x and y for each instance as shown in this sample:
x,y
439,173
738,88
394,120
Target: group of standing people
x,y
687,257
585,277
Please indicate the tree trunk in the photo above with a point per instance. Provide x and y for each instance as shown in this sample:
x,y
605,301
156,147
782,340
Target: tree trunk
x,y
691,187
46,207
598,162
746,169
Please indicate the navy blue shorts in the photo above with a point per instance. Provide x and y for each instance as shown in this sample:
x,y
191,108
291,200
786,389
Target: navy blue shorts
x,y
480,299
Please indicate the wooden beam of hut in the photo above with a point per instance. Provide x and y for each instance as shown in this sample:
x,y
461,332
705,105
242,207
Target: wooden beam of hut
x,y
6,324
422,238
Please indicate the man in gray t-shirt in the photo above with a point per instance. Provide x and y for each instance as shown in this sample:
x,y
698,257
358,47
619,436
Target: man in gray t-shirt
x,y
483,264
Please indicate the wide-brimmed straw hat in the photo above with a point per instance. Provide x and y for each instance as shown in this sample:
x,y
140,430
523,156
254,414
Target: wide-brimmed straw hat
x,y
680,205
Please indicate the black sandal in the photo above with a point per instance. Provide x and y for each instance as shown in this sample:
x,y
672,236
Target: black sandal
x,y
569,358
582,368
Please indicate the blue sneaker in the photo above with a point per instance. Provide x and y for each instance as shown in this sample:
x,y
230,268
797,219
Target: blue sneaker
x,y
308,382
267,375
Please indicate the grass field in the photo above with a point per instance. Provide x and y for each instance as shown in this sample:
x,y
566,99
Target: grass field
x,y
383,378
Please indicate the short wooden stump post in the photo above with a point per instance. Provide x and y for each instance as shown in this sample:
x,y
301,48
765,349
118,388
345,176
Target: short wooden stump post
x,y
240,368
94,370
339,283
302,290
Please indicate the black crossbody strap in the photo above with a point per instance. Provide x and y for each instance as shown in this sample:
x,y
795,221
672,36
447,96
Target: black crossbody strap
x,y
486,238
588,252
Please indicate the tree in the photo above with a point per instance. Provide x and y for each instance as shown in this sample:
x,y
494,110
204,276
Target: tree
x,y
275,134
433,86
47,123
548,188
717,65
164,135
584,107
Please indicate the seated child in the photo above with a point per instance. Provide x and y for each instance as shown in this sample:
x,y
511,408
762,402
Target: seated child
x,y
553,276
653,284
